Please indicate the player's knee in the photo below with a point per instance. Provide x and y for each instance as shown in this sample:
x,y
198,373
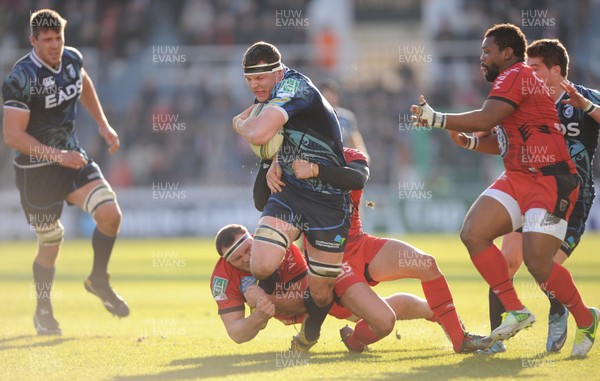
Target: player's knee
x,y
108,217
513,264
430,267
261,266
322,295
47,255
384,324
50,234
473,238
466,235
539,268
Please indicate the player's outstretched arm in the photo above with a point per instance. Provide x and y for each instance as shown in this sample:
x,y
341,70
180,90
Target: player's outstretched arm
x,y
242,329
485,119
579,101
14,130
484,142
352,177
89,99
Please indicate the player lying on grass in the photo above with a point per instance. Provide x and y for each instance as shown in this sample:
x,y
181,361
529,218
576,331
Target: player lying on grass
x,y
579,118
537,191
369,260
233,286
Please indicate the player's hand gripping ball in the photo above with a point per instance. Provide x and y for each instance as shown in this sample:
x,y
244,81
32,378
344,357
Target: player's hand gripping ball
x,y
269,149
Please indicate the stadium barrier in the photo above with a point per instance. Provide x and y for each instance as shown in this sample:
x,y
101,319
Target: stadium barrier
x,y
173,210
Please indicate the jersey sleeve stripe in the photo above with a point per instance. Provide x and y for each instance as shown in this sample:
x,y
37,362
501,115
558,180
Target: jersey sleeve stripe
x,y
8,104
281,110
231,309
497,98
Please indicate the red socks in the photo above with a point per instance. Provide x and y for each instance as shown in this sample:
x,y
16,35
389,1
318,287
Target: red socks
x,y
440,301
560,284
493,268
362,336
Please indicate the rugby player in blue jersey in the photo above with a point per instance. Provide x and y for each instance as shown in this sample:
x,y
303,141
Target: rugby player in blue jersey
x,y
40,105
580,123
316,207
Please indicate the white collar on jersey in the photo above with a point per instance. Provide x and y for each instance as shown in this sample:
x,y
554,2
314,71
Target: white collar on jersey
x,y
39,63
559,98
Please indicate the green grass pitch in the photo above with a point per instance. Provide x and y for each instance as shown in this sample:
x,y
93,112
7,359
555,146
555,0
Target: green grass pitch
x,y
174,332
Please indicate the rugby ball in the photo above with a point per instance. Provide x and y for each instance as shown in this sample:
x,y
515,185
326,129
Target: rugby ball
x,y
269,149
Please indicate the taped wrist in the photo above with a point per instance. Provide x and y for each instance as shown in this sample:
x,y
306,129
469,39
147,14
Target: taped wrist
x,y
472,142
590,108
439,120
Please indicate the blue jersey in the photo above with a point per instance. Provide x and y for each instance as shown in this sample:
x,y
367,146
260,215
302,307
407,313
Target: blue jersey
x,y
311,131
50,95
581,135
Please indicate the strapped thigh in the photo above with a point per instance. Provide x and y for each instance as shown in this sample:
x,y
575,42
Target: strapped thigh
x,y
272,236
321,269
101,194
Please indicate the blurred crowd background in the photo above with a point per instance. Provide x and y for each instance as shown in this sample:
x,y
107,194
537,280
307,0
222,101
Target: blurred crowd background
x,y
179,61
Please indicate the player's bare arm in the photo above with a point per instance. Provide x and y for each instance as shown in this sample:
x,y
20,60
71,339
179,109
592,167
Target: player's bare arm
x,y
15,136
579,101
242,329
485,119
89,99
286,302
484,141
259,129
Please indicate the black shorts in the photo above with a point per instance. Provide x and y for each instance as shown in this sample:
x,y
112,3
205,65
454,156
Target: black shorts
x,y
44,189
576,226
324,218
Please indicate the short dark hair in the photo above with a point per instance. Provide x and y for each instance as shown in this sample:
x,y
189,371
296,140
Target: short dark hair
x,y
552,52
226,236
261,51
509,36
46,19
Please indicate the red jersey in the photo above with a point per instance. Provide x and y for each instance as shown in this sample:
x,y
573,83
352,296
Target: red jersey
x,y
355,230
530,138
228,283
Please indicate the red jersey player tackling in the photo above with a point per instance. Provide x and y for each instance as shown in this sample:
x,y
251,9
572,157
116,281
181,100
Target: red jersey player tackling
x,y
369,260
537,190
232,277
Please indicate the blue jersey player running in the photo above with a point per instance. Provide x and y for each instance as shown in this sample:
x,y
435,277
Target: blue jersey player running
x,y
40,103
580,123
314,206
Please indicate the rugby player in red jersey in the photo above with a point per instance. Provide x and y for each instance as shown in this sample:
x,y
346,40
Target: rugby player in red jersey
x,y
369,260
580,122
232,277
537,190
233,286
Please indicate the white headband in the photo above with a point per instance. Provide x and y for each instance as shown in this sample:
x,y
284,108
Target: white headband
x,y
235,246
263,68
